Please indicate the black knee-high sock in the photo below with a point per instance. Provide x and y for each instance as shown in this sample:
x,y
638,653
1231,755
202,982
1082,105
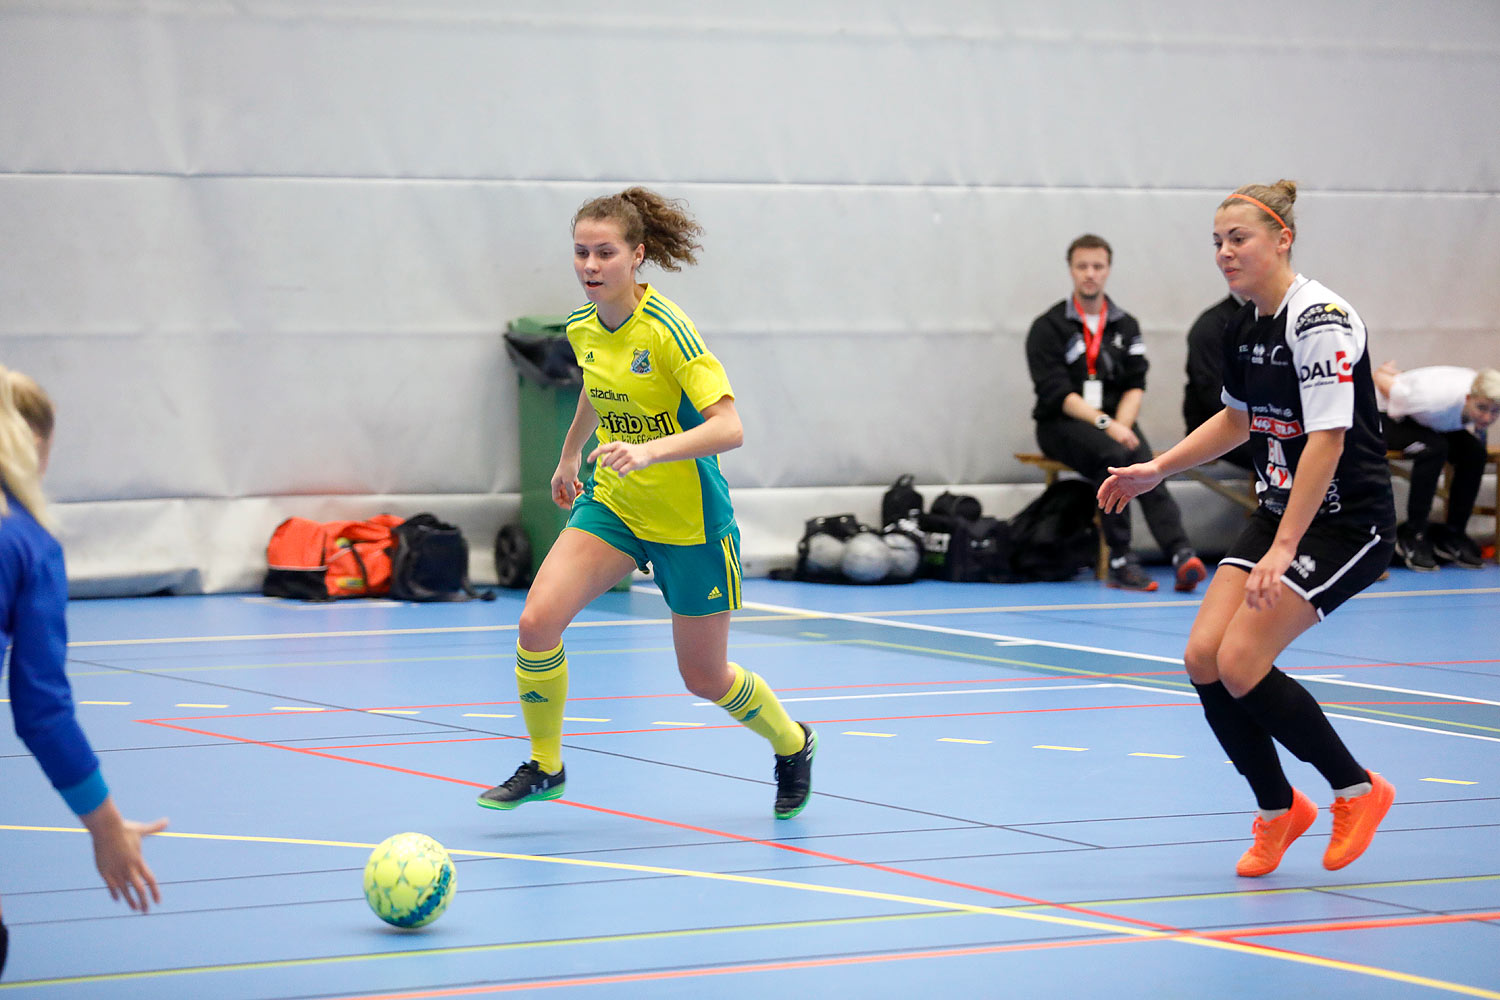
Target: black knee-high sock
x,y
1289,713
1248,745
4,941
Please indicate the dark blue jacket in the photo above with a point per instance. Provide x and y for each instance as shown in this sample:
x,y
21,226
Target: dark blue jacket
x,y
33,626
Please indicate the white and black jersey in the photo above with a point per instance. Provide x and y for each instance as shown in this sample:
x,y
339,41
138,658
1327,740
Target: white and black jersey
x,y
1308,369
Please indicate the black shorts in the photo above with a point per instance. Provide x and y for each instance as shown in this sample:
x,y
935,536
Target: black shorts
x,y
1335,559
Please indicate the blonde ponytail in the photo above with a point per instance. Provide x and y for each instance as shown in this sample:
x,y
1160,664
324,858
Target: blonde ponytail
x,y
25,415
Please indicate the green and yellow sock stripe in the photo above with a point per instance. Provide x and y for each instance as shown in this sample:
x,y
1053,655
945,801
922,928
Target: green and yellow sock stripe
x,y
540,663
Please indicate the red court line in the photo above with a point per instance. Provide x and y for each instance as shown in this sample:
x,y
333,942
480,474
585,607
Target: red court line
x,y
811,722
1167,931
853,960
730,970
1352,925
311,753
724,834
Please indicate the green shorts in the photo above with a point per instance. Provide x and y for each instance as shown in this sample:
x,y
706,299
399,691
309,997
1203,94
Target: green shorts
x,y
696,580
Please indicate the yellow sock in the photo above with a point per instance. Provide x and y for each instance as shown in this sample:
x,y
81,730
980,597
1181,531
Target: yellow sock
x,y
751,702
542,680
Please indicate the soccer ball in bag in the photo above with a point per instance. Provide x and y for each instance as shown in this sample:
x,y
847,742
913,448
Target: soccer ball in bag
x,y
867,559
409,880
825,553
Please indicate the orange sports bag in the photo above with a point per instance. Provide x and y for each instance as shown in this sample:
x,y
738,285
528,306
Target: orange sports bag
x,y
314,561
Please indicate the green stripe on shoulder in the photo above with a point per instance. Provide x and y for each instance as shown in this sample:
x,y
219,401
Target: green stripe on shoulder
x,y
579,315
686,342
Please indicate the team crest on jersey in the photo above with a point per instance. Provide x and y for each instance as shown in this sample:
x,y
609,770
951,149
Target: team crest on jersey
x,y
640,362
1323,314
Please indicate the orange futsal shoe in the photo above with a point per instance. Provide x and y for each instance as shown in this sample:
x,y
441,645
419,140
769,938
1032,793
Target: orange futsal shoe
x,y
1190,571
1355,820
1273,837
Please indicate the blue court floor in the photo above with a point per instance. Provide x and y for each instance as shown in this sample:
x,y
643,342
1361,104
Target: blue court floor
x,y
1015,796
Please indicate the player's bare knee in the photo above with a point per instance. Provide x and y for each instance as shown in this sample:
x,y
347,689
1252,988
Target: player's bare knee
x,y
538,629
1202,661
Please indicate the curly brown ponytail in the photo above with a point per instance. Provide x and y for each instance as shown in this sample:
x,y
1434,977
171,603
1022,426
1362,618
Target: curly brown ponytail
x,y
663,225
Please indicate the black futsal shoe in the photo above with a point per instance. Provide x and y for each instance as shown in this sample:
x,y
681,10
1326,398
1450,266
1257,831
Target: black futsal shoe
x,y
529,784
794,776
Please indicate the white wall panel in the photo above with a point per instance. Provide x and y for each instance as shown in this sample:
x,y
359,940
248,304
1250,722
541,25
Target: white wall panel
x,y
261,251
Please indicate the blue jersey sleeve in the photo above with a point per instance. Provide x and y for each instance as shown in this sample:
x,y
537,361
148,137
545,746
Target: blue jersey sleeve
x,y
33,602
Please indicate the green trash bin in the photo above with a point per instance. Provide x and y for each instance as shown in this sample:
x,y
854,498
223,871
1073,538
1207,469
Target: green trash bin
x,y
550,381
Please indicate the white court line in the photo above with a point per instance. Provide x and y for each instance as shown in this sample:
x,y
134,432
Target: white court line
x,y
1403,725
1396,690
993,636
1122,682
863,619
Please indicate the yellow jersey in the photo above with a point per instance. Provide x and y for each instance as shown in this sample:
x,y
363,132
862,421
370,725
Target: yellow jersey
x,y
650,378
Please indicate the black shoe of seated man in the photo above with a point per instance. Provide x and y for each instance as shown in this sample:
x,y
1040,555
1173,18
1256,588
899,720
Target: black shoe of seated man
x,y
1125,573
1450,545
794,776
529,784
1415,549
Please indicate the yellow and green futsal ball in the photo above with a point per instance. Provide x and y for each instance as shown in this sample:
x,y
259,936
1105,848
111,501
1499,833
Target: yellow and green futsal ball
x,y
409,880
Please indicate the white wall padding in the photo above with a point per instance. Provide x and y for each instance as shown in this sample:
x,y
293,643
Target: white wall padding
x,y
261,252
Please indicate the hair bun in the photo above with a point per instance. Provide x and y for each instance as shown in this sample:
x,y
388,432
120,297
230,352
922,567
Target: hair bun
x,y
1288,188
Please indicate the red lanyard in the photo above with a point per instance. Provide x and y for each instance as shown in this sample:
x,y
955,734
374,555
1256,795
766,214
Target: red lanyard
x,y
1091,345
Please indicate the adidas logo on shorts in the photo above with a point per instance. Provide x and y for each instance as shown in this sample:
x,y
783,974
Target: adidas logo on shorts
x,y
714,595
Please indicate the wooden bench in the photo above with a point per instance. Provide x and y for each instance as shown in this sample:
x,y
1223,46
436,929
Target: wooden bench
x,y
1397,462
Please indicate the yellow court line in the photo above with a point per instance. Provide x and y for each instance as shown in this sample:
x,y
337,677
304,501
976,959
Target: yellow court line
x,y
193,704
393,711
1337,707
1245,893
582,718
1047,746
1450,781
689,724
955,739
1164,756
473,949
104,703
856,732
1184,937
487,715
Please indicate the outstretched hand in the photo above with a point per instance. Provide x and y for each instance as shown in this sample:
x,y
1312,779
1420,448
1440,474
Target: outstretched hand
x,y
118,855
1125,484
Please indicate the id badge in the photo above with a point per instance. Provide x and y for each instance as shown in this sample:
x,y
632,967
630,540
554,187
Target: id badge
x,y
1093,393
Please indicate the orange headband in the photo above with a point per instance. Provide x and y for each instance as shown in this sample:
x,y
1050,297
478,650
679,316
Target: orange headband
x,y
1264,208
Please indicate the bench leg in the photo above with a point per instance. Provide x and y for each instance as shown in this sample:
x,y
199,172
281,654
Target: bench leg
x,y
1101,569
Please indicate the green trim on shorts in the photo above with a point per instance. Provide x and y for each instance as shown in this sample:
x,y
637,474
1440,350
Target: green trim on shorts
x,y
696,580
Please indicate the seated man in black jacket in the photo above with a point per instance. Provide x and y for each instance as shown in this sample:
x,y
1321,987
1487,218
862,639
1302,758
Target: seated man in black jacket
x,y
1088,364
1201,398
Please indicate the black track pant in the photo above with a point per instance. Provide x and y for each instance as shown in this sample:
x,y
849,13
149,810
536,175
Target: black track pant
x,y
1091,452
1429,451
